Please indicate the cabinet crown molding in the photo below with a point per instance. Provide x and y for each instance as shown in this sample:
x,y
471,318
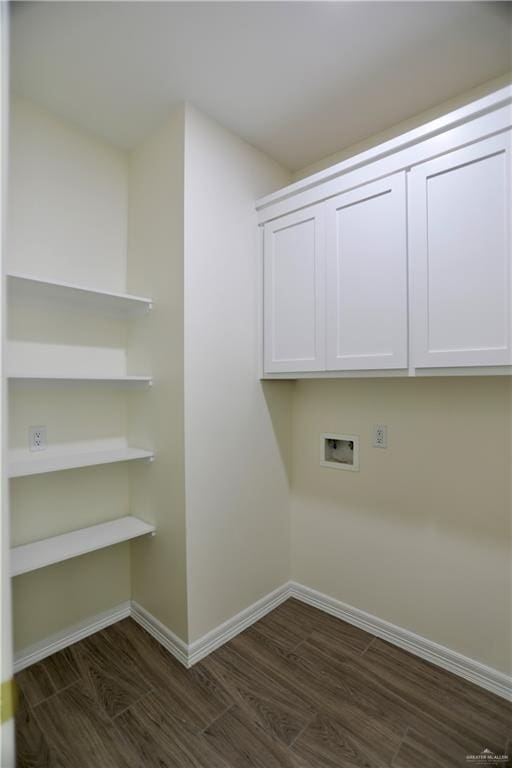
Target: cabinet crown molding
x,y
329,181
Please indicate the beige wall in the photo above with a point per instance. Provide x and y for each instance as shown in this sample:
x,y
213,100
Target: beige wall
x,y
236,484
55,598
420,536
67,201
155,268
67,221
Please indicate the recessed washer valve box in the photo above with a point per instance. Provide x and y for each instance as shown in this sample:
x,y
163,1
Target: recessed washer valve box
x,y
339,451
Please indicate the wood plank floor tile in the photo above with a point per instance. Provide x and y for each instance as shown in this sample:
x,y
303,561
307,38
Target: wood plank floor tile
x,y
319,681
288,624
299,614
350,681
343,635
357,702
80,733
266,658
158,740
451,688
111,678
35,683
346,743
62,669
241,744
299,689
267,703
435,751
195,696
267,649
32,748
333,682
432,691
281,631
341,642
413,753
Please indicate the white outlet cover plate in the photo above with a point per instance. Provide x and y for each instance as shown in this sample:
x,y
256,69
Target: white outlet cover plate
x,y
380,436
37,438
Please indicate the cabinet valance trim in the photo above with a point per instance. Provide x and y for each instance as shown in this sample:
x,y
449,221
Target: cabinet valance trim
x,y
481,118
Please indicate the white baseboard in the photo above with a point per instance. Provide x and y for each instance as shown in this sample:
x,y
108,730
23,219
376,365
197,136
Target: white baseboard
x,y
186,654
70,635
189,654
224,632
171,642
486,677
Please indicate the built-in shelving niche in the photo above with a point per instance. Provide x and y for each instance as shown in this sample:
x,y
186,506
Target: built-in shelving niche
x,y
38,554
45,552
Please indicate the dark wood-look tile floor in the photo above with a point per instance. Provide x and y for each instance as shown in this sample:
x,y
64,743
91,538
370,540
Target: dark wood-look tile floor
x,y
299,689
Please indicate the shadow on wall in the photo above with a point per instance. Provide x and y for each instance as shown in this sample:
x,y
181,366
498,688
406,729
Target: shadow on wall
x,y
278,397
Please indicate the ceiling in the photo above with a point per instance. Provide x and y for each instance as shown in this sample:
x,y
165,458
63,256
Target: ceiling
x,y
299,80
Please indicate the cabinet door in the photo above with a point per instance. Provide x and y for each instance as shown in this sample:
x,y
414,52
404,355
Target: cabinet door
x,y
366,294
294,281
459,245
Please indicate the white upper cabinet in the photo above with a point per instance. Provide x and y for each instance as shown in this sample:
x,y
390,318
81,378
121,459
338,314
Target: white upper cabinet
x,y
460,258
294,282
397,261
366,267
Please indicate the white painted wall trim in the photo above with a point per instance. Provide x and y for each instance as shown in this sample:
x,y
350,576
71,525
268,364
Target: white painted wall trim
x,y
403,159
189,654
403,373
232,627
33,653
184,653
486,677
171,642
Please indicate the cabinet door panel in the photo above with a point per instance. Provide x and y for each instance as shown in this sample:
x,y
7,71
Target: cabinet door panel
x,y
459,243
294,293
366,294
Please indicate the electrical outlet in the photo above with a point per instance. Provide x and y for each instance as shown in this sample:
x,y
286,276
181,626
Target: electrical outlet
x,y
37,438
380,436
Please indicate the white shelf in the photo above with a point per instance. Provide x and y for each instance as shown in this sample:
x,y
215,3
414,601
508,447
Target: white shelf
x,y
32,286
43,462
79,378
30,557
